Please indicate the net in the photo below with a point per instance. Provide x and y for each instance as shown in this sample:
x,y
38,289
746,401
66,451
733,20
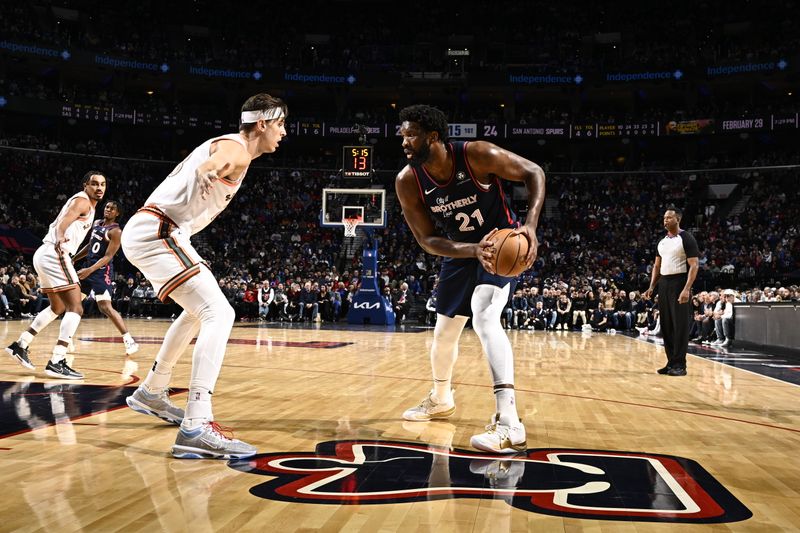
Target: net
x,y
350,224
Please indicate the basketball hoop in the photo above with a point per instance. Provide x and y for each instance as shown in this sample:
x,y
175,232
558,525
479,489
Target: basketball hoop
x,y
350,224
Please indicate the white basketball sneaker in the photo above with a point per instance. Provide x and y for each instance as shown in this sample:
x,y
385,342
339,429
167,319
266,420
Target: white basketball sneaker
x,y
210,441
158,405
501,438
130,347
428,409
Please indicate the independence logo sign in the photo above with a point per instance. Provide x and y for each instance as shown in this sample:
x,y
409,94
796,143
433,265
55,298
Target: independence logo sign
x,y
572,483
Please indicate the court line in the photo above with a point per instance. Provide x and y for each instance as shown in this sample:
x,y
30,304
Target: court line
x,y
561,394
646,341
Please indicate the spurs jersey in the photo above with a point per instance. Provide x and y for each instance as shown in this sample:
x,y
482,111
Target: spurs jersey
x,y
464,207
178,196
76,231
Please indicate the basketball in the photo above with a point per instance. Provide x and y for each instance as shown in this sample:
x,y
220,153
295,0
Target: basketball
x,y
510,252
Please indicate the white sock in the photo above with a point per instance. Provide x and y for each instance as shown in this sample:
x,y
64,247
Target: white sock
x,y
198,409
69,324
442,391
25,339
176,340
506,406
59,354
127,338
42,320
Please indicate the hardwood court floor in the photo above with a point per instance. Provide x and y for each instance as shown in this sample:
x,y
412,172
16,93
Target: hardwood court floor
x,y
721,442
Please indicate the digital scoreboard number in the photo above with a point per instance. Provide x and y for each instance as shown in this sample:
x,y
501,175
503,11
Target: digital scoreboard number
x,y
357,161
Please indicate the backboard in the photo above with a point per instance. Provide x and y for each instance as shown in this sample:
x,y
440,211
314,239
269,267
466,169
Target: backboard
x,y
340,203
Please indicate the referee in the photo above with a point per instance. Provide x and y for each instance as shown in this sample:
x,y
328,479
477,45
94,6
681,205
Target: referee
x,y
674,271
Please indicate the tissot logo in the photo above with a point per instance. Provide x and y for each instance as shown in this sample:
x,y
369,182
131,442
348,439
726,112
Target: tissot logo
x,y
575,483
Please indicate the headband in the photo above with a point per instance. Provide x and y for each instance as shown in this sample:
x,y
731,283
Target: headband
x,y
265,114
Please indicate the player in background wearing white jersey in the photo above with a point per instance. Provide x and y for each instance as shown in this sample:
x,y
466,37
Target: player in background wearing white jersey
x,y
53,264
156,241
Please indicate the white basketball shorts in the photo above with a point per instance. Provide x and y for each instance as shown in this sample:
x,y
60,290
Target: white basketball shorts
x,y
56,271
155,245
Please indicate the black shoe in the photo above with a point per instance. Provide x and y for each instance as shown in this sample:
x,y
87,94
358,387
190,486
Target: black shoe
x,y
664,370
20,354
61,370
676,371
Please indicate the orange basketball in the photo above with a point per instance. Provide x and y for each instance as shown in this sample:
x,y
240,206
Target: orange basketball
x,y
510,252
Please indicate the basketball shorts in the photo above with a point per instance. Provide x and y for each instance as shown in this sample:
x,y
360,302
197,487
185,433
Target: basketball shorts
x,y
99,283
457,281
155,245
56,271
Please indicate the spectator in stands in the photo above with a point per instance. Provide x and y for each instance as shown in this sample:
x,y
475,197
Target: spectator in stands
x,y
549,300
250,301
325,304
579,308
139,299
401,301
623,315
123,291
537,319
563,312
309,302
13,296
266,295
519,309
707,324
279,303
5,312
599,319
724,321
293,303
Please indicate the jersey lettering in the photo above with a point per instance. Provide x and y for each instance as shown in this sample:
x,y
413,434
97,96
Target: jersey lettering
x,y
463,207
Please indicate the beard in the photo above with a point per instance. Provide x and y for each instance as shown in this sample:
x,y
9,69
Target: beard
x,y
422,155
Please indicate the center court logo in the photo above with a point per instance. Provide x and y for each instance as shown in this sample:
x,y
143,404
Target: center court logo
x,y
571,483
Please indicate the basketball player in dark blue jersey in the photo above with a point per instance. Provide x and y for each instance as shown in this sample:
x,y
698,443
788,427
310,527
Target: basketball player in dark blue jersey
x,y
457,185
104,242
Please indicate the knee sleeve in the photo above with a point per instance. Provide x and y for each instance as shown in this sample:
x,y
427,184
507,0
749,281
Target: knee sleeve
x,y
201,297
487,304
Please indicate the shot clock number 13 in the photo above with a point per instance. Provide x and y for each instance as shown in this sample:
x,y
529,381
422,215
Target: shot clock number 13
x,y
357,161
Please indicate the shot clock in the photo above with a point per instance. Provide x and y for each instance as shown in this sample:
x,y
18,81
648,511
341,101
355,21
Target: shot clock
x,y
357,161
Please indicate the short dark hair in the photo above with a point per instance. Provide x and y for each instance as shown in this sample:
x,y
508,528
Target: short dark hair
x,y
677,210
261,102
116,205
429,118
88,176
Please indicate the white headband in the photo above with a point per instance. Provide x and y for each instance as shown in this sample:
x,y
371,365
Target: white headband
x,y
266,114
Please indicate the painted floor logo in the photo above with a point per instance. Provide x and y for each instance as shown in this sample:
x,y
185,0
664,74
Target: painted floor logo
x,y
572,483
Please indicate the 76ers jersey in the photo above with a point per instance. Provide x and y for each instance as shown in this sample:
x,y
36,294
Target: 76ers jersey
x,y
178,196
76,231
98,244
466,208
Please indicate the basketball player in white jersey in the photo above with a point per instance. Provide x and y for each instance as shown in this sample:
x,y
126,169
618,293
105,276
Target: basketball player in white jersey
x,y
156,240
53,264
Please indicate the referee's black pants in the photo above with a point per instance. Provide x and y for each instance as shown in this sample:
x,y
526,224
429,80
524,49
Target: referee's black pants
x,y
675,319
